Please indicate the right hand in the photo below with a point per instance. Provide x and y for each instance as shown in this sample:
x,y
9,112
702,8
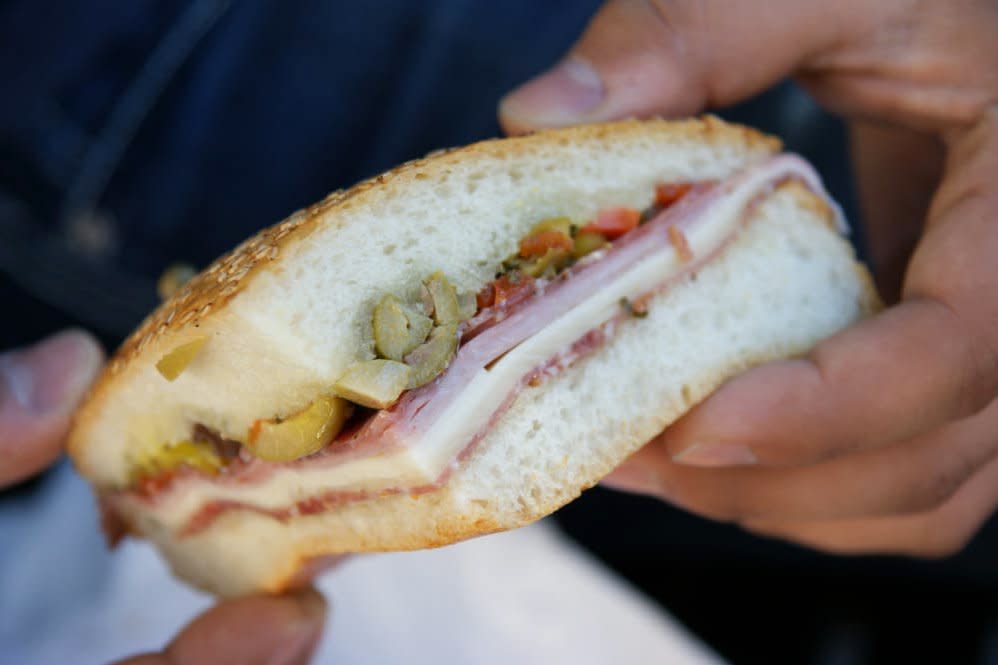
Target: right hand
x,y
883,438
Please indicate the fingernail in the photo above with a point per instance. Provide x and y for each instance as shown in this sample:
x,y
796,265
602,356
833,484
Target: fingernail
x,y
634,477
560,96
716,454
302,633
52,375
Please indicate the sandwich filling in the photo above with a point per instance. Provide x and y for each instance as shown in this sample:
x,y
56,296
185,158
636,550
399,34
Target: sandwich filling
x,y
524,331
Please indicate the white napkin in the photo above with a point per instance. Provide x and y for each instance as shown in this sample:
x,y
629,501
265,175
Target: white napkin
x,y
527,596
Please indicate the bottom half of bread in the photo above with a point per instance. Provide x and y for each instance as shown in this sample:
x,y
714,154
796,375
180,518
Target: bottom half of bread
x,y
787,281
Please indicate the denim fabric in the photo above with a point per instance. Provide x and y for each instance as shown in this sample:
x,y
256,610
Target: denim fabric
x,y
139,134
145,133
82,77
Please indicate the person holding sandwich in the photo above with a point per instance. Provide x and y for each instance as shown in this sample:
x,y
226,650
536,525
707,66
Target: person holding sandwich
x,y
883,438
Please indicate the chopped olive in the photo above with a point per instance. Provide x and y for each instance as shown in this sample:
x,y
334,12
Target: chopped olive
x,y
467,304
176,361
587,242
398,328
420,325
173,456
560,224
432,357
508,266
549,264
445,306
374,383
306,432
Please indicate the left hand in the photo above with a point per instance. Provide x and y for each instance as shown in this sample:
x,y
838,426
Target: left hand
x,y
885,437
39,388
256,630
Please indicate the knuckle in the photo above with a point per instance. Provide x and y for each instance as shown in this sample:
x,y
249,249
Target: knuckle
x,y
977,379
716,498
718,504
941,547
729,515
940,485
940,538
670,22
978,382
664,12
732,507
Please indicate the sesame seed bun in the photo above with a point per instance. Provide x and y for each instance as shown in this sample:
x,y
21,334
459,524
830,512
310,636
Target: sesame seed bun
x,y
285,312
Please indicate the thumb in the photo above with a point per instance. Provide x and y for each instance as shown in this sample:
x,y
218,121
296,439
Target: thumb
x,y
677,57
39,387
255,630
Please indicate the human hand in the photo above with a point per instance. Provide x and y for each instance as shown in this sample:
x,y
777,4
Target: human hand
x,y
256,630
39,388
885,437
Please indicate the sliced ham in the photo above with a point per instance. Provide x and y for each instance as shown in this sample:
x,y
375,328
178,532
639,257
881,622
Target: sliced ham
x,y
521,340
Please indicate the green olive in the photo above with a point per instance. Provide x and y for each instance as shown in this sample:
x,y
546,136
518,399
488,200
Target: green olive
x,y
549,264
302,434
373,383
467,304
560,224
445,306
168,457
587,243
176,361
432,357
398,328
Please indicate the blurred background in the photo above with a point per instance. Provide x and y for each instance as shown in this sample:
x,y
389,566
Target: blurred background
x,y
135,135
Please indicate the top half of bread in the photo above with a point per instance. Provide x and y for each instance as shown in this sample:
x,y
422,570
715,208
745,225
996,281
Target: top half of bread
x,y
285,312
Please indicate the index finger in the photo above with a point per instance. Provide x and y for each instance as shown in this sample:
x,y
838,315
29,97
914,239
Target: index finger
x,y
676,57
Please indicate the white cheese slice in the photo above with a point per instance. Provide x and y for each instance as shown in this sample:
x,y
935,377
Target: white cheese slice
x,y
706,228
